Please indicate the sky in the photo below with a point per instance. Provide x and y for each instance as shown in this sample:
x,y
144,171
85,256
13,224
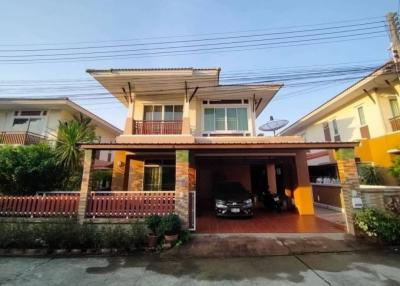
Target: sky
x,y
49,23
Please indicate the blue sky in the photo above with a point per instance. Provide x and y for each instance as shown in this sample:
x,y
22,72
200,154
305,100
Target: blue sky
x,y
42,22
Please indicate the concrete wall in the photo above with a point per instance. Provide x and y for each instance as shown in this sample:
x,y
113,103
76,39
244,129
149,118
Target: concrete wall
x,y
327,194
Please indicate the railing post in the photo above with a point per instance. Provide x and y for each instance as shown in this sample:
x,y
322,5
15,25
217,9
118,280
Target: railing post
x,y
86,184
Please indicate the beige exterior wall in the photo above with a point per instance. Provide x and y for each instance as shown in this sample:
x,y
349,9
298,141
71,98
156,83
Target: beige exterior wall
x,y
195,110
377,114
51,122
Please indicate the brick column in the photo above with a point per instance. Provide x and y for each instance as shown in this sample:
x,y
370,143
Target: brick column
x,y
86,184
271,178
184,182
350,183
136,175
303,196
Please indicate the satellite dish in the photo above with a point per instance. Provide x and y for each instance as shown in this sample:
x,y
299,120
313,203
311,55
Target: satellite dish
x,y
273,125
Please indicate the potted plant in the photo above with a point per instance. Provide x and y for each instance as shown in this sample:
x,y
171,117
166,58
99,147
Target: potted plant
x,y
153,223
170,227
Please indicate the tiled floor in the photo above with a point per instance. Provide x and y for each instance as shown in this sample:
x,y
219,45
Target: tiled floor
x,y
266,222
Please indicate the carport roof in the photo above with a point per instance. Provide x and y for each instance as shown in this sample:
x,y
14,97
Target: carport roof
x,y
232,146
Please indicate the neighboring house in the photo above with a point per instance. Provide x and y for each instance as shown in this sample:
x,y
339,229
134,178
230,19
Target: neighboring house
x,y
367,111
185,132
33,120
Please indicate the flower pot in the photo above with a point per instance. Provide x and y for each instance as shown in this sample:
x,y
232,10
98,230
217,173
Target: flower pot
x,y
90,251
152,240
16,251
76,251
60,251
31,251
105,251
171,238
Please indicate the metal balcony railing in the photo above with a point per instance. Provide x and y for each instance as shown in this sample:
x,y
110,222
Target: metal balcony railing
x,y
395,123
20,138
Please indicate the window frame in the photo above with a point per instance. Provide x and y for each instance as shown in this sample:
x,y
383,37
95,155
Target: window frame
x,y
336,133
225,107
17,114
160,167
162,111
392,109
361,107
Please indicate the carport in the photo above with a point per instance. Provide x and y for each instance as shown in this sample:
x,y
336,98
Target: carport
x,y
256,171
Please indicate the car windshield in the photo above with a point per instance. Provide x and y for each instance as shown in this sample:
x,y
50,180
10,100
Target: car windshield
x,y
231,187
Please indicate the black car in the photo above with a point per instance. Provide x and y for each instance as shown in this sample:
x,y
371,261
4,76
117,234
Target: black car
x,y
232,199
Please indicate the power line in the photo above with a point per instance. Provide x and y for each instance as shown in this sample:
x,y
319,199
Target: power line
x,y
382,24
197,35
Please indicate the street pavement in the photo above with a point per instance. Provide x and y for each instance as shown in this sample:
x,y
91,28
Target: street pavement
x,y
368,267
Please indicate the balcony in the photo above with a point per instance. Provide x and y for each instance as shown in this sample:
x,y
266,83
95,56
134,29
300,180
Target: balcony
x,y
158,127
395,123
20,138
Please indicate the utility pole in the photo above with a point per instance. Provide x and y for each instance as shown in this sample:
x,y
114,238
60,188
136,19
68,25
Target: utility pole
x,y
392,22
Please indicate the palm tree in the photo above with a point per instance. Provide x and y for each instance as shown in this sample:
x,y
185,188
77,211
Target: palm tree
x,y
70,135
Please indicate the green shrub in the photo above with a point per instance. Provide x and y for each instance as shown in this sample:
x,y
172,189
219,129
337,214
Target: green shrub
x,y
138,234
369,175
384,225
170,224
395,169
153,223
68,234
24,170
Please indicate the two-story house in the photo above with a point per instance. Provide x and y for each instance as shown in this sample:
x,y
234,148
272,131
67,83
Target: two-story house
x,y
26,121
367,111
185,132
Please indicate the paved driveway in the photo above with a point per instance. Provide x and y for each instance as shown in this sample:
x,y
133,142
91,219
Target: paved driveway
x,y
350,268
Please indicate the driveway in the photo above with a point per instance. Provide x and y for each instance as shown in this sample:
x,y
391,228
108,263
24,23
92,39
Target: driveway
x,y
349,268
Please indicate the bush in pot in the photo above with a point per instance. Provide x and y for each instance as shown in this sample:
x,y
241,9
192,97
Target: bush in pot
x,y
153,224
170,227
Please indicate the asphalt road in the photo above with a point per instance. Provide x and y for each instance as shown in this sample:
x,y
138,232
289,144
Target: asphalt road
x,y
350,268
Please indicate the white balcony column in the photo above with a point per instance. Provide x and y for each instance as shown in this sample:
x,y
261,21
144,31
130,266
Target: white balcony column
x,y
186,117
129,123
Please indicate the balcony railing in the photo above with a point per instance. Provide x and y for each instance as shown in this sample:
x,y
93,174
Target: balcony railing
x,y
395,122
20,138
146,127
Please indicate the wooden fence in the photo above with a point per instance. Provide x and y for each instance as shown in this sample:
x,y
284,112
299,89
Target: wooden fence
x,y
130,204
39,205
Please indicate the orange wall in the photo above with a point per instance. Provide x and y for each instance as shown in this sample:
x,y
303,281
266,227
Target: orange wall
x,y
375,150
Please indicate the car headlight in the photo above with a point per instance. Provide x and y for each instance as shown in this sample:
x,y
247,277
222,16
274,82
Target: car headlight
x,y
248,202
220,204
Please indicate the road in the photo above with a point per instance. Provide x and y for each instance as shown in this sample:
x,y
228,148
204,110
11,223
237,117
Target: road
x,y
347,268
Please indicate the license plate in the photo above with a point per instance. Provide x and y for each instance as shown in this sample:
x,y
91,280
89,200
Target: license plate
x,y
235,210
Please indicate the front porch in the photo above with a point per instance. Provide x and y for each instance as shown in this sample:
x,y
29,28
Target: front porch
x,y
187,172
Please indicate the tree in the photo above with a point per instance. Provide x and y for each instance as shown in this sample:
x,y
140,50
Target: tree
x,y
25,170
70,135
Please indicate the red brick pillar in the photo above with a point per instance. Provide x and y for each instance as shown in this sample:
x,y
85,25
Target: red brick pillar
x,y
348,176
185,181
86,184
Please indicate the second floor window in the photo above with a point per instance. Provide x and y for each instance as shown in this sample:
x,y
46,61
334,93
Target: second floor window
x,y
327,131
361,115
225,119
394,106
162,112
336,134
